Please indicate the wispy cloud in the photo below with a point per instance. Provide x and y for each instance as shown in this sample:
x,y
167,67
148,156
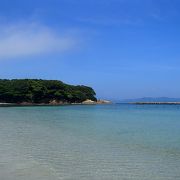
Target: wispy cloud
x,y
25,39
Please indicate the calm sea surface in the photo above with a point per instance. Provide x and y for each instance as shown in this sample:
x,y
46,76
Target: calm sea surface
x,y
93,142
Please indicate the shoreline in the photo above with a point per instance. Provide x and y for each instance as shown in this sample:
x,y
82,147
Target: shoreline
x,y
83,103
52,104
34,105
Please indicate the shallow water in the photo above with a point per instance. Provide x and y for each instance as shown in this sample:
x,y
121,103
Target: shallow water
x,y
128,142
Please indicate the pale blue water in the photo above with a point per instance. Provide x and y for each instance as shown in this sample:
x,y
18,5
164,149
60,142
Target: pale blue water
x,y
93,142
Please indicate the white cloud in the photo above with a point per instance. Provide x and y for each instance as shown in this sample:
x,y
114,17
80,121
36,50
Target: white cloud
x,y
32,39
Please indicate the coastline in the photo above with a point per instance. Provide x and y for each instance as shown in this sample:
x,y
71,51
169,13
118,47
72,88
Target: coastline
x,y
87,102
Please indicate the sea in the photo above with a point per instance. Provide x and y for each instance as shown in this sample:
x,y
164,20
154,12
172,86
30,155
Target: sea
x,y
90,142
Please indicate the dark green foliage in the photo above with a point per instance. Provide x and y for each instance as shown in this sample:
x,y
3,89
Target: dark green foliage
x,y
43,91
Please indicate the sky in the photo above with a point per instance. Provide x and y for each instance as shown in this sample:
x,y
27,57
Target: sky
x,y
121,48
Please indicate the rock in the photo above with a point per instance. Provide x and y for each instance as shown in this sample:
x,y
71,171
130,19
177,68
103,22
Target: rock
x,y
55,102
103,102
88,101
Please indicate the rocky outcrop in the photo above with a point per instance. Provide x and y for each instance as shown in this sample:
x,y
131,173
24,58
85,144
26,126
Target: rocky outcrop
x,y
88,101
103,102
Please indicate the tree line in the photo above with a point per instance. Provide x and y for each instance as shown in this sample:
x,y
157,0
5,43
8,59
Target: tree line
x,y
43,91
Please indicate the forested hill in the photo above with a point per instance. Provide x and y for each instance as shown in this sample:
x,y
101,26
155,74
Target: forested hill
x,y
43,91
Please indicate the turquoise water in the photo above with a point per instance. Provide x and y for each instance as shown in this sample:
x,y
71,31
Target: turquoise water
x,y
108,142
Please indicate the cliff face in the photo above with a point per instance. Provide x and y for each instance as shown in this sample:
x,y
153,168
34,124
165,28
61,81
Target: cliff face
x,y
43,91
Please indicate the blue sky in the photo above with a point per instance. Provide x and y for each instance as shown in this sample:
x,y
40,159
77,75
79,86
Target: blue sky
x,y
122,48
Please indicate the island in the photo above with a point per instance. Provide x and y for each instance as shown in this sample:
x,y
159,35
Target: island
x,y
44,92
156,103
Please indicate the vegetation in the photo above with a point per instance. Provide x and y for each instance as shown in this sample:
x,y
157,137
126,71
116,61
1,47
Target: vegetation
x,y
43,91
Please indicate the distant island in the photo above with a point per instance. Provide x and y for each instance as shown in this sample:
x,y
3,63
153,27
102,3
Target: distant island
x,y
156,103
152,99
50,92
